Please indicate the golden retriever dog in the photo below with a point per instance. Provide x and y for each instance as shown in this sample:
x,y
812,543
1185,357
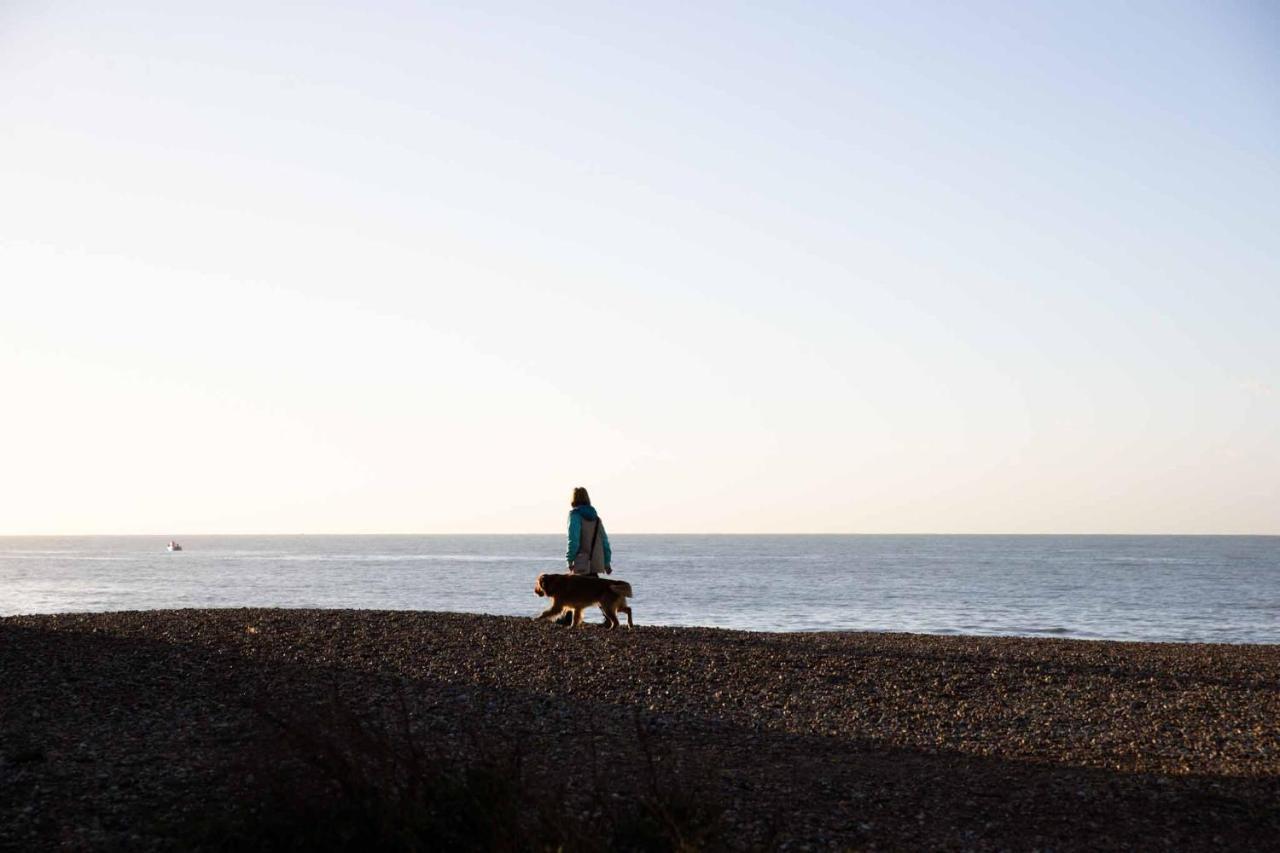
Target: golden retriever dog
x,y
578,592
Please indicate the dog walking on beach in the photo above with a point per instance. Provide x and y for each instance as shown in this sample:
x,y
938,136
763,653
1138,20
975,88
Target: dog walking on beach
x,y
575,593
588,552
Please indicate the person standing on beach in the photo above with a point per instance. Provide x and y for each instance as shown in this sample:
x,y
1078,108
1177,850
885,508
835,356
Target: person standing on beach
x,y
589,552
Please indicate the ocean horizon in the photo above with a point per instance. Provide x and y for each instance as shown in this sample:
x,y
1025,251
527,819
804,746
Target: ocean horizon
x,y
1174,588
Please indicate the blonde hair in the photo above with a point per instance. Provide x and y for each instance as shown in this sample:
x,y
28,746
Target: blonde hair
x,y
580,497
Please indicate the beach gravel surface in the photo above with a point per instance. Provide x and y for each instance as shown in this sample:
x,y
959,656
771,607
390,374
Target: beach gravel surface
x,y
117,730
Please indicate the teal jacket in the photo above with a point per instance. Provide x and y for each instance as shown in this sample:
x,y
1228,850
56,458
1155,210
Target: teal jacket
x,y
575,533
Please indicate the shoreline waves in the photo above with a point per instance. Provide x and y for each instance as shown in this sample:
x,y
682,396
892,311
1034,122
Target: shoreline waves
x,y
1130,588
123,729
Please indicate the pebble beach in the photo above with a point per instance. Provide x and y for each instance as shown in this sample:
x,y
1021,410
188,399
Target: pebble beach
x,y
118,729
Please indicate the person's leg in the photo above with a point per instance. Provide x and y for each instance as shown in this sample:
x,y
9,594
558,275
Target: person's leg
x,y
591,574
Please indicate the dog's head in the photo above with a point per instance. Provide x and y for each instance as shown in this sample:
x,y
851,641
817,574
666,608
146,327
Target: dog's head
x,y
547,584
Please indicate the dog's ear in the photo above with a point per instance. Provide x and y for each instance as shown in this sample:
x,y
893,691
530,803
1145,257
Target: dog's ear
x,y
537,585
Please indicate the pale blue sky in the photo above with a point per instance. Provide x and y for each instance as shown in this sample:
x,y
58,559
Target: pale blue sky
x,y
871,267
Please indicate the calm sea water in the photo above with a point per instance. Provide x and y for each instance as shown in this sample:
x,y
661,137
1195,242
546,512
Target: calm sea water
x,y
1167,588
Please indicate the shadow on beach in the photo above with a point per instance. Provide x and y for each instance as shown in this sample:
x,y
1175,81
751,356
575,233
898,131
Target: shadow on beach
x,y
272,730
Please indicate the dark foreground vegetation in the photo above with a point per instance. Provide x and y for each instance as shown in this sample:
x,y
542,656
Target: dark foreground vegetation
x,y
327,730
334,781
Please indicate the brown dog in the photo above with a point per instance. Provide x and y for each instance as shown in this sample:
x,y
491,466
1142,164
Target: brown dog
x,y
578,592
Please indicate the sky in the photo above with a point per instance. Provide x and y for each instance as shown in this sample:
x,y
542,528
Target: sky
x,y
752,267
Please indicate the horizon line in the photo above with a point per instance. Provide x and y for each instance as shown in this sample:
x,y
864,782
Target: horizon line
x,y
635,533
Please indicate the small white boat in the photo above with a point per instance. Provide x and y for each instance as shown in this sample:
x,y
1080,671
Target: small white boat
x,y
173,546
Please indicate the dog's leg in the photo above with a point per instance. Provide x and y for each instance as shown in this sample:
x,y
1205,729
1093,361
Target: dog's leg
x,y
577,617
626,608
551,612
610,618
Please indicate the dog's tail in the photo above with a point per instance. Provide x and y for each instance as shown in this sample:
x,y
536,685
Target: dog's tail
x,y
622,587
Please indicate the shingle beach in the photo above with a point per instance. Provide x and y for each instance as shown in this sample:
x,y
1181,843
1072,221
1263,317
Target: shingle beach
x,y
116,728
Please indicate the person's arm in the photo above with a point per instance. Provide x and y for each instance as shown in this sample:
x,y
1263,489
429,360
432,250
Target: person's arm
x,y
608,552
575,537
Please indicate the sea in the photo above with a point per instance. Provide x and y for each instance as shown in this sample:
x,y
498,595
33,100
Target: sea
x,y
1203,589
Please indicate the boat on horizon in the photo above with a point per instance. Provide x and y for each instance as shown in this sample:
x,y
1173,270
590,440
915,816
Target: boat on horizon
x,y
173,545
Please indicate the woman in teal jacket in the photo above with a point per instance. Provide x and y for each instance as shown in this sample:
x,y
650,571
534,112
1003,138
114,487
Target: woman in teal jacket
x,y
589,552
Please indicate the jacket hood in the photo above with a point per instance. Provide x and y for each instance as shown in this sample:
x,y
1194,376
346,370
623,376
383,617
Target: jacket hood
x,y
587,512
